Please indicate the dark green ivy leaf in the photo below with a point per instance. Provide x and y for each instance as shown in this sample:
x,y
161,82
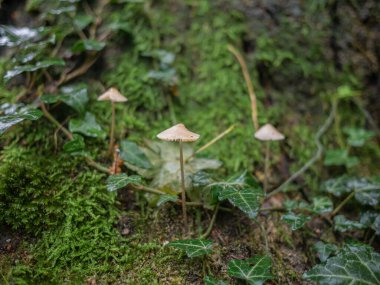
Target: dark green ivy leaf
x,y
296,221
193,247
10,120
371,220
166,198
115,182
340,157
255,270
353,265
75,96
88,45
322,205
342,224
358,137
75,146
325,250
87,126
132,154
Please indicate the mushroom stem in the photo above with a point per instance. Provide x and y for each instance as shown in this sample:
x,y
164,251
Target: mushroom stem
x,y
266,166
112,128
184,213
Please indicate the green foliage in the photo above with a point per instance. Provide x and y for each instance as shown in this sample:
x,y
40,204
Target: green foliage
x,y
337,157
87,126
14,117
166,198
212,281
115,182
325,250
242,191
193,247
132,154
296,221
351,265
342,224
255,270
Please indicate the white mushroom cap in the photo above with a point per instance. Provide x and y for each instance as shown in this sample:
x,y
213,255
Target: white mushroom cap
x,y
269,133
113,95
178,133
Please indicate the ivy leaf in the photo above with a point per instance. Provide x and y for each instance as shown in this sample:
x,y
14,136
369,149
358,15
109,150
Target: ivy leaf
x,y
88,45
166,198
367,192
18,69
12,36
342,224
255,270
296,221
10,120
116,182
337,157
371,220
82,21
75,146
193,247
322,205
358,137
354,265
241,191
212,281
325,250
87,126
75,96
132,154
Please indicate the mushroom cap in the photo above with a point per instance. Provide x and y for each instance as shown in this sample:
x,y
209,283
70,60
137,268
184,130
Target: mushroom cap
x,y
178,133
269,133
113,95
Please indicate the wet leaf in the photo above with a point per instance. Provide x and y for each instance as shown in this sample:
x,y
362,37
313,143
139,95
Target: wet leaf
x,y
356,265
296,221
358,137
75,146
16,70
322,205
75,96
255,270
371,220
10,120
212,281
166,198
342,224
87,126
132,154
12,36
115,182
325,250
88,45
241,191
193,247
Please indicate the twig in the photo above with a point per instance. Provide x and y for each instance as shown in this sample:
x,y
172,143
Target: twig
x,y
55,122
344,202
149,189
212,222
317,154
90,60
214,140
248,81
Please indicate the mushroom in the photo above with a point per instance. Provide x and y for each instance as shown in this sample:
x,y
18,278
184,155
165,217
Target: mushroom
x,y
268,133
179,133
114,96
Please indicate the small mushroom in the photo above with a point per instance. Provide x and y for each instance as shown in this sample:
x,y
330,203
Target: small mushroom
x,y
179,133
114,96
268,133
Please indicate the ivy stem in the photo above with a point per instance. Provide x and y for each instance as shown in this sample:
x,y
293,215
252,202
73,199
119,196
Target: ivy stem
x,y
266,166
112,131
344,202
212,222
149,189
55,122
184,212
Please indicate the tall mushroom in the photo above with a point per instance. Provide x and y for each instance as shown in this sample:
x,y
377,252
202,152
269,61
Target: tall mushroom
x,y
268,133
179,133
114,96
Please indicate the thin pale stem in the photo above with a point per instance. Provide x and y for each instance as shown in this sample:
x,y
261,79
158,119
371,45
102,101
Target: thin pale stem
x,y
184,212
344,202
266,167
55,122
212,222
112,132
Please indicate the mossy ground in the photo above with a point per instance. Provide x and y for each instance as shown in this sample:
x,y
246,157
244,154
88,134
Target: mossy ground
x,y
63,226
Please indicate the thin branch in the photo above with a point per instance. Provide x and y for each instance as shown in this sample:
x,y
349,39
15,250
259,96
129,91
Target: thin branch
x,y
248,81
212,222
344,202
317,154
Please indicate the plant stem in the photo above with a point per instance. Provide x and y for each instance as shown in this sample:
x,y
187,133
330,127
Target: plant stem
x,y
184,213
248,81
54,121
96,165
149,189
317,154
212,222
110,147
344,202
214,140
266,166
